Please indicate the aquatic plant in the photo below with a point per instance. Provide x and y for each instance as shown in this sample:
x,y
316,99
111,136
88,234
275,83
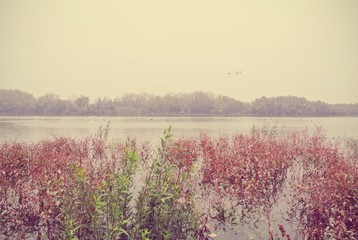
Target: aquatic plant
x,y
95,188
246,173
326,194
83,189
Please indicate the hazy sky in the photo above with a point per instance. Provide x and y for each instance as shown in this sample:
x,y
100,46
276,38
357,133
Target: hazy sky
x,y
305,48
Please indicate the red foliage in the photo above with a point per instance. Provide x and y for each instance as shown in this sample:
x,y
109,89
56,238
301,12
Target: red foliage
x,y
33,176
183,153
250,170
327,195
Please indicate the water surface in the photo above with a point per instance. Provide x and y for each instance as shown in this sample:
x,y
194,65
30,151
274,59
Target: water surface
x,y
29,129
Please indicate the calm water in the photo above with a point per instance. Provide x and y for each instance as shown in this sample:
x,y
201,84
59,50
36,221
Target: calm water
x,y
29,129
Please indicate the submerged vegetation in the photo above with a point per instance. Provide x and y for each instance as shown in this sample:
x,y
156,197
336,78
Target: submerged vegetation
x,y
288,184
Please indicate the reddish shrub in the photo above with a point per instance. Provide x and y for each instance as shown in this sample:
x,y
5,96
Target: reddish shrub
x,y
249,168
245,172
326,197
183,153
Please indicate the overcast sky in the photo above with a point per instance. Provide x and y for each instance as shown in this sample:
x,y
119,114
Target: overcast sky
x,y
305,48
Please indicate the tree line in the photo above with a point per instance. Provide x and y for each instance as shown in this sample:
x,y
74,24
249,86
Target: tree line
x,y
19,103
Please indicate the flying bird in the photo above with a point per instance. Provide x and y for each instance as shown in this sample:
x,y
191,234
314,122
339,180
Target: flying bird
x,y
237,73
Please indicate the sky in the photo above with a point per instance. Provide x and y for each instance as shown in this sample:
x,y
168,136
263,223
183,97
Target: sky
x,y
305,48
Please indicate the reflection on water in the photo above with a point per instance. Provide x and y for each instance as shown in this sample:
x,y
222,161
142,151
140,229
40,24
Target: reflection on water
x,y
28,129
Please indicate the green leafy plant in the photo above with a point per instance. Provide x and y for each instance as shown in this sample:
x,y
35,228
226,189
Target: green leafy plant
x,y
165,209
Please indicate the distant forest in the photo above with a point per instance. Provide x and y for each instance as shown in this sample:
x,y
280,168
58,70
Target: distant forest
x,y
19,103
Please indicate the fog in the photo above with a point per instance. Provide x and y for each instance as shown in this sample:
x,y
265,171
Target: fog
x,y
241,49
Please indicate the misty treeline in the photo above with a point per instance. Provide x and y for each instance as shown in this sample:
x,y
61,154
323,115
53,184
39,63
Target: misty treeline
x,y
19,103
